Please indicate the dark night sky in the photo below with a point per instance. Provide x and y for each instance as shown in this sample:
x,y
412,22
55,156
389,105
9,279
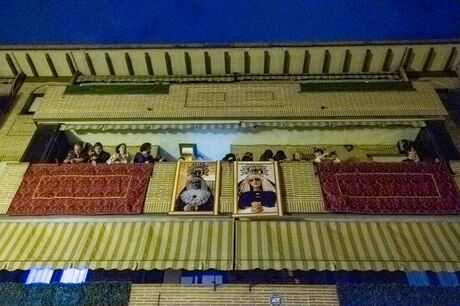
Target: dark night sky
x,y
225,22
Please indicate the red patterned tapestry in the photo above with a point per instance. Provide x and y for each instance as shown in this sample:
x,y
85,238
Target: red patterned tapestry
x,y
388,188
52,189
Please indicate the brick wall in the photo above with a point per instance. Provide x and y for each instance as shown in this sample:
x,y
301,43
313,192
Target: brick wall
x,y
17,130
156,294
10,178
238,100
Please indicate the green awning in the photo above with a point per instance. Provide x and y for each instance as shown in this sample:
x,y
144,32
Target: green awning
x,y
345,245
143,243
135,245
197,125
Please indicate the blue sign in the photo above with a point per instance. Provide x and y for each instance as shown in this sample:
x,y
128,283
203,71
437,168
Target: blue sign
x,y
275,300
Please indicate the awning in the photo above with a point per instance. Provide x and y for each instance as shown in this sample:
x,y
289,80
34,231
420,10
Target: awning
x,y
117,244
337,245
208,244
177,125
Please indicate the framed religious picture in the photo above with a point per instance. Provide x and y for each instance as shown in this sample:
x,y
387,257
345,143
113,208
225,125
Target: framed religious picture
x,y
196,188
257,189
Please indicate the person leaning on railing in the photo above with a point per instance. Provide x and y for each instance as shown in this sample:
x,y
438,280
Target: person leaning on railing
x,y
321,156
98,154
77,155
120,156
412,156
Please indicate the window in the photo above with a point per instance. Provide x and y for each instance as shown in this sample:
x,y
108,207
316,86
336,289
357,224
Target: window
x,y
210,278
74,276
39,275
33,103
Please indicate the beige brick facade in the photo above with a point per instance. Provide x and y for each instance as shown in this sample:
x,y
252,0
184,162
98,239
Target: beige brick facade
x,y
10,178
16,129
155,294
249,100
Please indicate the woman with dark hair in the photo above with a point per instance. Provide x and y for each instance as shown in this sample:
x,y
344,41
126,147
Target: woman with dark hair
x,y
120,156
144,156
248,156
267,155
230,157
319,155
279,156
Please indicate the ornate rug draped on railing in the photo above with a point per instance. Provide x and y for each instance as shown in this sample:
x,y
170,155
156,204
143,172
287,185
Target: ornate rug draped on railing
x,y
52,189
388,188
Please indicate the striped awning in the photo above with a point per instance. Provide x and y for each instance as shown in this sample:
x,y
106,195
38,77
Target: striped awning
x,y
119,245
176,125
208,244
345,245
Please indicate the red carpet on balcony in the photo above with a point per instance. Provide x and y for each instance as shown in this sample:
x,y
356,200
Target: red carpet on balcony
x,y
52,189
388,188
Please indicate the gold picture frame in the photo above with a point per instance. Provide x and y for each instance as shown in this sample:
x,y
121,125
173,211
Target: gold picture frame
x,y
257,189
196,188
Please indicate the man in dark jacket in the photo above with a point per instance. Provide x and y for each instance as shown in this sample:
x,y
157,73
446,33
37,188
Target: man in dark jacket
x,y
99,155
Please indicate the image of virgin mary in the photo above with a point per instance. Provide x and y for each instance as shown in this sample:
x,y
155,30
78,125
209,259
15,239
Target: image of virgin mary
x,y
196,196
257,194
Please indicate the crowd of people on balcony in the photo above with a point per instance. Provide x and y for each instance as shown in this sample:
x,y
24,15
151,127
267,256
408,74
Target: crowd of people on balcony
x,y
266,156
82,153
85,153
319,155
